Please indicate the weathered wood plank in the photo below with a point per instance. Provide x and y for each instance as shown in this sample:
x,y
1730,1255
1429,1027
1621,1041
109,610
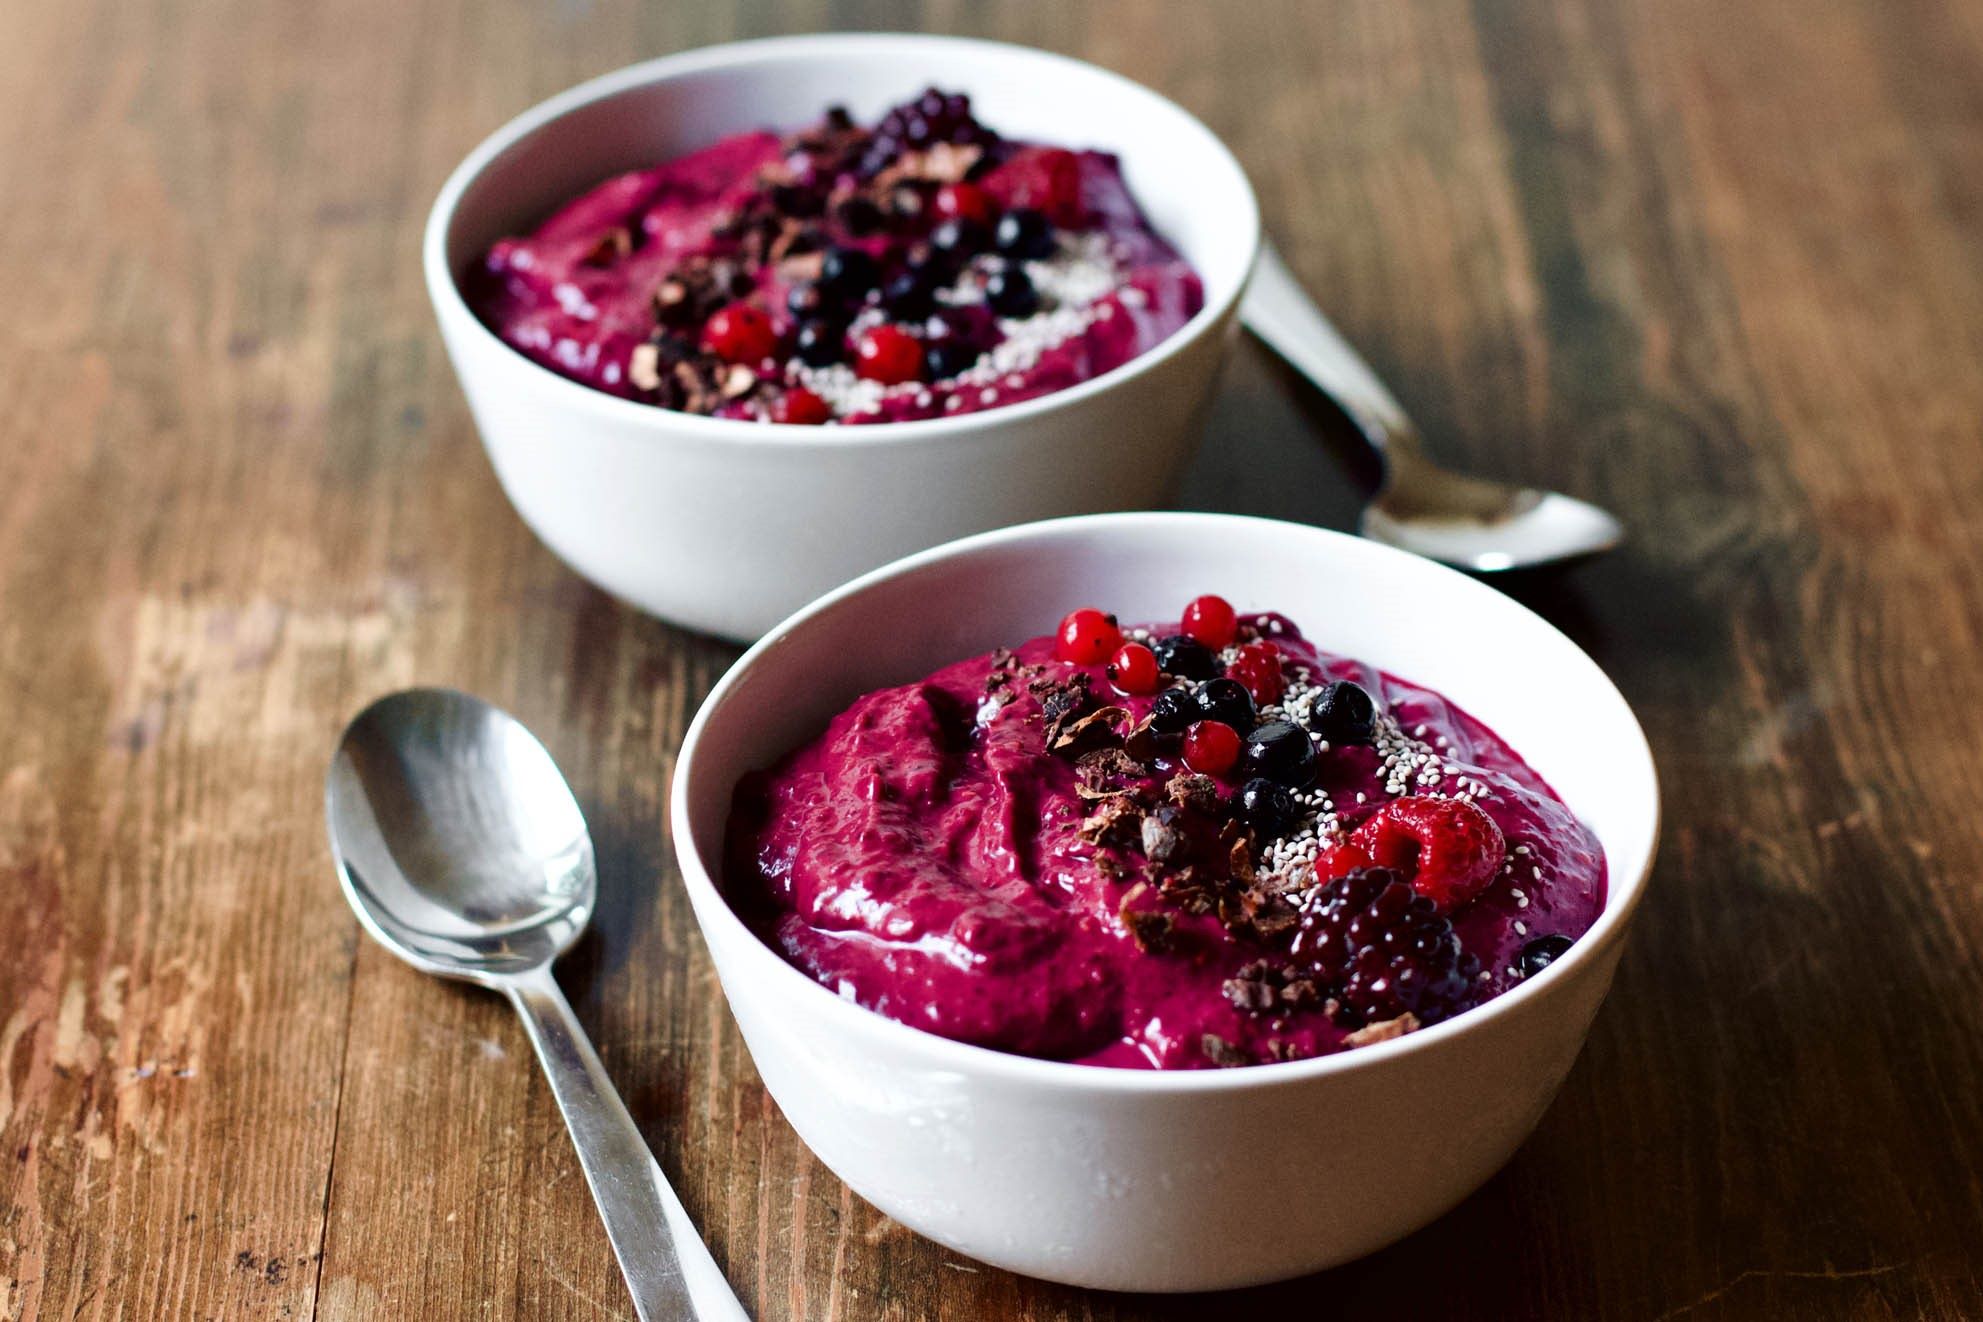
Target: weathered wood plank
x,y
1714,265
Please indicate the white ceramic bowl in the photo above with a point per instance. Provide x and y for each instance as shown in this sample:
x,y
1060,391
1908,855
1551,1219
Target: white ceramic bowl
x,y
1136,1180
727,526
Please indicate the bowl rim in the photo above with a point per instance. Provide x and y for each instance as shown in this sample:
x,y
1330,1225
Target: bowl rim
x,y
1625,883
444,289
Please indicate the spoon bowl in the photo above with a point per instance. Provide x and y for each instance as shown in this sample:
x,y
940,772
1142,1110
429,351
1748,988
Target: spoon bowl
x,y
457,842
1469,522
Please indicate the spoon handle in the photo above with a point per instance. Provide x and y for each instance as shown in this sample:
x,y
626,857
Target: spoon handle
x,y
667,1266
1281,313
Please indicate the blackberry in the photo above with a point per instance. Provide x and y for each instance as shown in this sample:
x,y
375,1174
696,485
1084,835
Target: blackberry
x,y
908,296
1344,714
1187,658
947,358
1024,233
822,342
1173,711
847,274
1281,752
932,117
1011,294
859,217
1227,701
1268,808
1383,951
1540,953
959,239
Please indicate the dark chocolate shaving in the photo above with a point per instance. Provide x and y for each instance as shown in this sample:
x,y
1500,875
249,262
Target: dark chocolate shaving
x,y
1060,701
1383,1030
1098,728
1116,820
1223,1053
1149,928
1101,771
1264,987
1189,790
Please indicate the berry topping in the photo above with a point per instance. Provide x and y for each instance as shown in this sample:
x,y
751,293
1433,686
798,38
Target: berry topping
x,y
888,355
947,358
1211,621
821,343
1384,950
1540,953
1258,667
1280,751
1133,669
960,238
1268,808
802,408
1024,233
847,274
1173,711
1226,700
1087,637
1187,658
797,200
909,296
1011,293
1211,747
1450,849
739,333
964,202
803,301
859,216
1339,861
1344,714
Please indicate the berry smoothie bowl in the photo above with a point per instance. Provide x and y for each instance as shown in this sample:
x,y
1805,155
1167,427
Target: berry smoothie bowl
x,y
740,323
921,267
995,903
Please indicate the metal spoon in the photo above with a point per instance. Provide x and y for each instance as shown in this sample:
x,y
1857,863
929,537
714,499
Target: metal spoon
x,y
465,854
1470,522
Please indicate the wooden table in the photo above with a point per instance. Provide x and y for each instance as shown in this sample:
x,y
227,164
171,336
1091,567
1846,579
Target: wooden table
x,y
1719,266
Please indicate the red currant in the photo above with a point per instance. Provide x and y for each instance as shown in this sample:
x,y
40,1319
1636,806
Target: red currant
x,y
1134,669
964,202
1211,621
739,333
801,407
1087,637
889,355
1211,747
1258,667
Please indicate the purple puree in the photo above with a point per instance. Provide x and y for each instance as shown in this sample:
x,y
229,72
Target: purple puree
x,y
750,217
925,858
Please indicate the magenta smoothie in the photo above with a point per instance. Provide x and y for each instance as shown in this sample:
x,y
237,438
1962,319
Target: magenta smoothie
x,y
923,267
1199,845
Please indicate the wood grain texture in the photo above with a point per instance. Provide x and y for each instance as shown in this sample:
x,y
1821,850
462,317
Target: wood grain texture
x,y
1718,266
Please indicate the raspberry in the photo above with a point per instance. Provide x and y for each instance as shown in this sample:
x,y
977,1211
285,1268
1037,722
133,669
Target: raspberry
x,y
1449,848
964,202
1382,950
1258,666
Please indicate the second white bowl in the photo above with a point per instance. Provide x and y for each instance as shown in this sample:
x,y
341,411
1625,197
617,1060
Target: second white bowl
x,y
726,526
1186,1180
